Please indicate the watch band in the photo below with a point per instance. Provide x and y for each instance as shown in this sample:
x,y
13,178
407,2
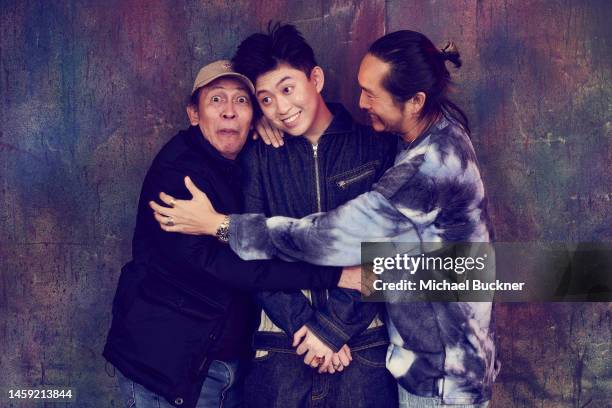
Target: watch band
x,y
222,233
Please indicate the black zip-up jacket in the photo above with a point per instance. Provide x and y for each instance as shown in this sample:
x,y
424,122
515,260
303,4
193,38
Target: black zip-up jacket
x,y
299,179
182,293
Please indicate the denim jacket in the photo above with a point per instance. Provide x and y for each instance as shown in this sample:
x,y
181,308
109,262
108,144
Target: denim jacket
x,y
299,179
433,193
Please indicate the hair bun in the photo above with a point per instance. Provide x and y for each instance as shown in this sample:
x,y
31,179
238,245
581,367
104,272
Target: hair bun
x,y
451,53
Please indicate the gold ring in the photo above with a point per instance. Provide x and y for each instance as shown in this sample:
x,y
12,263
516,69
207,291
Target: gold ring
x,y
170,222
172,202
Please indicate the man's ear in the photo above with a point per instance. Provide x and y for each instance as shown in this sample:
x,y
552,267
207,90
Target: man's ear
x,y
318,78
192,113
416,103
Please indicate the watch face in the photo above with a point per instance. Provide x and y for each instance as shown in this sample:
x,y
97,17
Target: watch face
x,y
222,233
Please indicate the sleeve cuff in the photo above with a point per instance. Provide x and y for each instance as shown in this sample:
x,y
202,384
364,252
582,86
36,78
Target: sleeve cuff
x,y
298,321
327,332
332,275
248,237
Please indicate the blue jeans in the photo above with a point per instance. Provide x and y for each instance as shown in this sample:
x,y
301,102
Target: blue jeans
x,y
280,379
408,400
220,390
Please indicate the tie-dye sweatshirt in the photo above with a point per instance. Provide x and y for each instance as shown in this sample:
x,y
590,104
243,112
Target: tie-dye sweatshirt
x,y
433,193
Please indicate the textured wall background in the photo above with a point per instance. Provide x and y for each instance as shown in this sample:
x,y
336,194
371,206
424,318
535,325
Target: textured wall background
x,y
91,90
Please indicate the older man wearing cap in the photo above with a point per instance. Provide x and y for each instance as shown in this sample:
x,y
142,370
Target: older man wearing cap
x,y
182,321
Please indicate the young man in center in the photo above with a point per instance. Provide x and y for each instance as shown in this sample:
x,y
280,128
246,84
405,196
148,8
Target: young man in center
x,y
327,159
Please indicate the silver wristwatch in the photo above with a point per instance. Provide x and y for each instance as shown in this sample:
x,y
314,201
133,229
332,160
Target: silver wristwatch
x,y
222,233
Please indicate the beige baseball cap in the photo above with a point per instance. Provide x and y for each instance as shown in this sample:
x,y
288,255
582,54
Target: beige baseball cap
x,y
218,69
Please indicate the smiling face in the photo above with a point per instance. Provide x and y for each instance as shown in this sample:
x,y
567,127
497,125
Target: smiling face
x,y
224,115
292,101
384,112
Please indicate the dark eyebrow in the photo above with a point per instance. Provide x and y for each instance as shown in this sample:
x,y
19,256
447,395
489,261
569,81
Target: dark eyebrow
x,y
283,79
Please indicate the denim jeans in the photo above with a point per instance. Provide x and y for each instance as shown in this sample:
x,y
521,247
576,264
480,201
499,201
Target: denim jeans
x,y
280,379
408,400
222,389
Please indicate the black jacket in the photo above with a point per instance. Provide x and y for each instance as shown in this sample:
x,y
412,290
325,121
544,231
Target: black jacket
x,y
174,298
297,180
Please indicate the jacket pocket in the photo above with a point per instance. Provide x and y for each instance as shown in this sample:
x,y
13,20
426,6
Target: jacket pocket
x,y
358,175
160,290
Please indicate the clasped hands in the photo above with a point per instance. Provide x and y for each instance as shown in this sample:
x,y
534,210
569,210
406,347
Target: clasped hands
x,y
318,354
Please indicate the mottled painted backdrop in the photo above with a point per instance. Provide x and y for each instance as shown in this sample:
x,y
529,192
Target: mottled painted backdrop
x,y
91,90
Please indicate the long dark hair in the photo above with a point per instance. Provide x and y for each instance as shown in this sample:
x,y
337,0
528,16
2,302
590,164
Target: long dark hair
x,y
418,66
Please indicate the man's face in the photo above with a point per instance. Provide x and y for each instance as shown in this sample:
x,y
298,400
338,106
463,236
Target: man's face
x,y
290,99
384,113
224,115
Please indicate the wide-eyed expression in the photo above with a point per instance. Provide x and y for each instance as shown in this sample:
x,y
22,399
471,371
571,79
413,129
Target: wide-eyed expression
x,y
224,115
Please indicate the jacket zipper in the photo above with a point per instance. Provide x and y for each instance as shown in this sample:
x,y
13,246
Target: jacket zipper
x,y
316,300
345,183
315,148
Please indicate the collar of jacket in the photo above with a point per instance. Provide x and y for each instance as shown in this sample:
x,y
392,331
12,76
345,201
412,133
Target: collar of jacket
x,y
196,140
437,126
342,121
